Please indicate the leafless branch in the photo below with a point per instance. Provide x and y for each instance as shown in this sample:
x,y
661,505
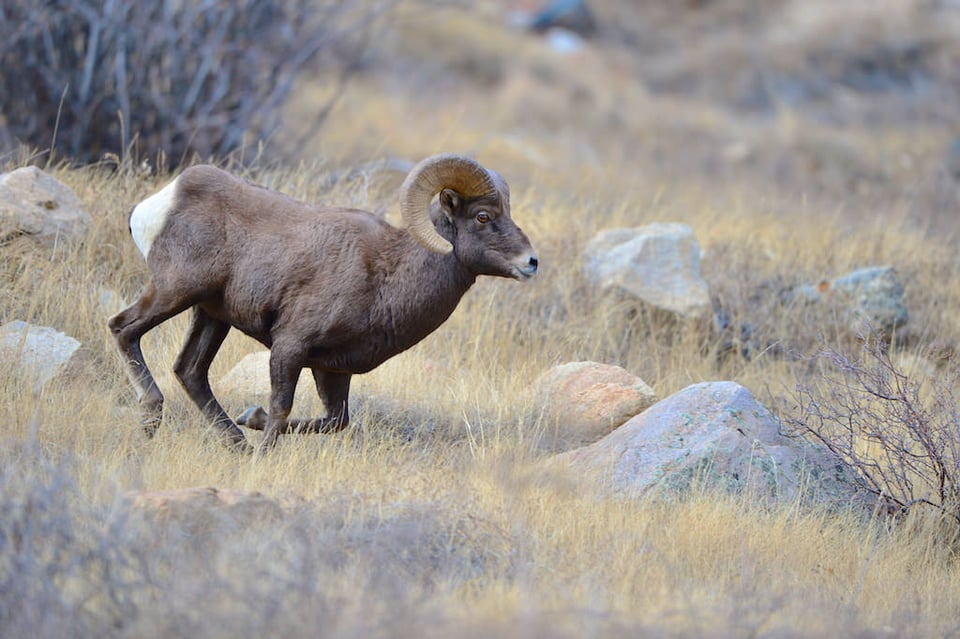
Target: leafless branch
x,y
182,78
900,436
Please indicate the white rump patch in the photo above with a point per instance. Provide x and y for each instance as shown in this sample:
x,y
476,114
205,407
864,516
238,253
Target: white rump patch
x,y
150,216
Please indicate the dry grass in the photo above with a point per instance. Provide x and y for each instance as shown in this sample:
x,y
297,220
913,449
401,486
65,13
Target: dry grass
x,y
445,532
440,529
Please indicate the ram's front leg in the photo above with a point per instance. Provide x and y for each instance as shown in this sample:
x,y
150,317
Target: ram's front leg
x,y
333,389
285,369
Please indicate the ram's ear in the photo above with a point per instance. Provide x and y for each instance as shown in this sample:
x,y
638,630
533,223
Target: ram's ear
x,y
449,201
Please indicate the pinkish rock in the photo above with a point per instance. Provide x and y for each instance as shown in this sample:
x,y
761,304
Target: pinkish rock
x,y
583,401
202,508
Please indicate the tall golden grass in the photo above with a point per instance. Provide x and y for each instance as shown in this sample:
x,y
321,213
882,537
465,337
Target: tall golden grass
x,y
482,547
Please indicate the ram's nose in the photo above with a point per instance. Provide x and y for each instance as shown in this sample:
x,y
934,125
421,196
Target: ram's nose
x,y
526,267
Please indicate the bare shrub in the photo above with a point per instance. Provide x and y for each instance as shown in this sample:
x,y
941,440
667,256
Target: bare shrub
x,y
76,565
61,574
91,77
900,435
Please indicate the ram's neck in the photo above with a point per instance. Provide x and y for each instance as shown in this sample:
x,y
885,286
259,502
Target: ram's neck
x,y
432,286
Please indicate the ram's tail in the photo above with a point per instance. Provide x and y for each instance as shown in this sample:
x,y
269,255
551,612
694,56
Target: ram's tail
x,y
149,217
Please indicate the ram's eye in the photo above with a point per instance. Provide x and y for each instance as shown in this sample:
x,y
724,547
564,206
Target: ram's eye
x,y
483,217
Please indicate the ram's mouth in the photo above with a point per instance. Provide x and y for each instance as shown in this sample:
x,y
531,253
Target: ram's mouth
x,y
523,274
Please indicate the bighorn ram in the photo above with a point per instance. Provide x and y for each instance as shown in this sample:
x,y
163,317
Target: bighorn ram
x,y
332,289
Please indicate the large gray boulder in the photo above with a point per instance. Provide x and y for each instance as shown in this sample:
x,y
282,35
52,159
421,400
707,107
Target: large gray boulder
x,y
35,354
580,402
715,433
37,204
658,264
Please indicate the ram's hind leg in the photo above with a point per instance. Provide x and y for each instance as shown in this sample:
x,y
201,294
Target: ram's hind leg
x,y
128,326
204,338
334,392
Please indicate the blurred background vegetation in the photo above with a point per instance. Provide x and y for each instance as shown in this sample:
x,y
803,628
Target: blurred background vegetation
x,y
854,99
185,79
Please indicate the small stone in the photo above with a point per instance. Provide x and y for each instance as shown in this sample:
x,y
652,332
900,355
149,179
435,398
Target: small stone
x,y
36,354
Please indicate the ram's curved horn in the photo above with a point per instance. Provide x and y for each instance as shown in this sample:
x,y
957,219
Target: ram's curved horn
x,y
429,177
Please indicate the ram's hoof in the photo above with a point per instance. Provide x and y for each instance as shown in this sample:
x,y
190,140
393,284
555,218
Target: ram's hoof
x,y
241,446
254,418
150,425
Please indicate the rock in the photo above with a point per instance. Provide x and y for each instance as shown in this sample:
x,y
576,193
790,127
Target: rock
x,y
37,204
564,42
658,264
570,15
871,298
36,354
202,509
583,401
249,381
715,433
249,378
